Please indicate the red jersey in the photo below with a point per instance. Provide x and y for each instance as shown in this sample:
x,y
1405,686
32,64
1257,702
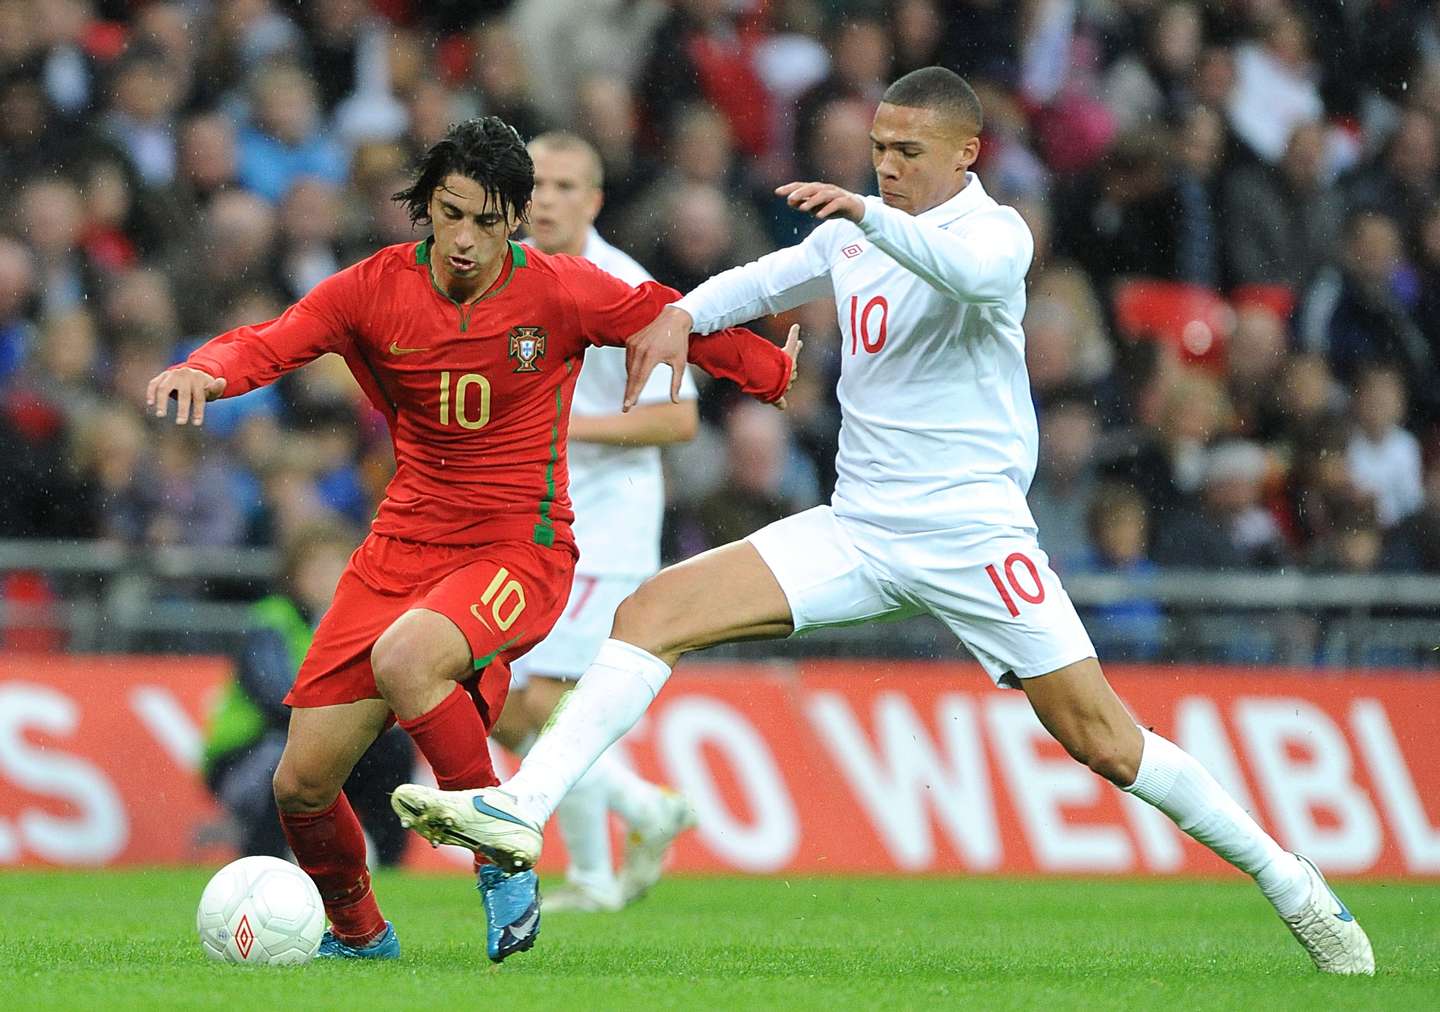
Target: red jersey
x,y
477,395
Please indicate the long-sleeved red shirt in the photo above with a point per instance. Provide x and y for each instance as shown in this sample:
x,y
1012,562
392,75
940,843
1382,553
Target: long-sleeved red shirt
x,y
478,395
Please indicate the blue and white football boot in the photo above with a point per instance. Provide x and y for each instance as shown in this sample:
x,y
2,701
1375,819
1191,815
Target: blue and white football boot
x,y
1328,930
387,946
512,910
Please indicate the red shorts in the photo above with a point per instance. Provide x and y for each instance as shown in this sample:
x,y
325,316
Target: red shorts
x,y
503,597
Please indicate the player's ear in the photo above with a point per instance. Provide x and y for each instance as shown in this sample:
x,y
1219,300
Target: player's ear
x,y
514,220
969,151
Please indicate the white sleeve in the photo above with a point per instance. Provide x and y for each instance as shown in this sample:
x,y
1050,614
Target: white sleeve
x,y
776,282
983,263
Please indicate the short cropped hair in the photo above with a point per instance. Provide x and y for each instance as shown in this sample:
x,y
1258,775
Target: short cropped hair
x,y
561,140
939,89
485,149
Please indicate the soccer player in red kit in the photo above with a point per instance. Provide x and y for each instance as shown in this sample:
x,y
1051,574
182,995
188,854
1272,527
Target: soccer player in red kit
x,y
470,345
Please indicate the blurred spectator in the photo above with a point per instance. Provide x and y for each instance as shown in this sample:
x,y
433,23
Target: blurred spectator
x,y
1167,464
563,44
1229,527
1401,184
1275,85
1118,523
237,39
52,216
17,290
1319,479
701,52
65,367
1306,397
763,485
1384,458
68,69
1355,544
1154,83
285,138
1065,480
860,57
206,166
1254,357
1066,347
841,149
144,94
1118,220
917,29
309,236
701,236
500,75
246,730
1413,545
1359,311
702,155
608,119
1199,146
1282,221
34,139
233,255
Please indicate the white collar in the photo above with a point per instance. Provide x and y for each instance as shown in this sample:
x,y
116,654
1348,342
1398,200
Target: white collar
x,y
968,199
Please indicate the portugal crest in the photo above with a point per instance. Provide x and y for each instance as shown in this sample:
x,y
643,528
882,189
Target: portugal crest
x,y
527,347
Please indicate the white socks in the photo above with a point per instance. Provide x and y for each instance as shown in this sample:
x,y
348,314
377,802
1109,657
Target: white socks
x,y
1172,781
607,701
584,818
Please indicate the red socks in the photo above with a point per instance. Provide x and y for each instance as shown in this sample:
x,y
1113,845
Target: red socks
x,y
330,846
452,738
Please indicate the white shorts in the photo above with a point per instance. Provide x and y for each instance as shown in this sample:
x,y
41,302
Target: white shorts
x,y
585,623
993,587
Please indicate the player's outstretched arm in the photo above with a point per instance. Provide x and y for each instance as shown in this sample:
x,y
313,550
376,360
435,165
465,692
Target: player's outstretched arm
x,y
983,264
251,356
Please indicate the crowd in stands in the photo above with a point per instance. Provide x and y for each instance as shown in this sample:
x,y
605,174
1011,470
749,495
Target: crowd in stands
x,y
1234,308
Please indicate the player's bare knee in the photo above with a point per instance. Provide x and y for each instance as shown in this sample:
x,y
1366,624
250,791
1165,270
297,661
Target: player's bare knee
x,y
296,792
1108,756
401,661
643,620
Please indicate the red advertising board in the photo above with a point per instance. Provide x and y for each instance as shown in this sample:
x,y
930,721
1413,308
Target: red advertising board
x,y
821,767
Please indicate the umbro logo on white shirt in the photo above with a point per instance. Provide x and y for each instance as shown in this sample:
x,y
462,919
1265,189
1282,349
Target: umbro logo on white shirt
x,y
852,251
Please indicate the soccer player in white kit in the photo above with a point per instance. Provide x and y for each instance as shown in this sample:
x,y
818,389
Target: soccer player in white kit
x,y
937,450
618,492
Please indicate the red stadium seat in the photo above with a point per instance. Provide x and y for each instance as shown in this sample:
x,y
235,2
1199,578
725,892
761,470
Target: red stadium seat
x,y
1194,319
1279,299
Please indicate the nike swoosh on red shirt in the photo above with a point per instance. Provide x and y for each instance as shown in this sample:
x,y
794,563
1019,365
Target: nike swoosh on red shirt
x,y
395,349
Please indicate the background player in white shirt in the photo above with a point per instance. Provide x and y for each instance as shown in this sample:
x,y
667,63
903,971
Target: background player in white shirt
x,y
618,492
937,449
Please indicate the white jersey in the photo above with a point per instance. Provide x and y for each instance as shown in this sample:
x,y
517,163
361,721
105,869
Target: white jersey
x,y
618,492
938,430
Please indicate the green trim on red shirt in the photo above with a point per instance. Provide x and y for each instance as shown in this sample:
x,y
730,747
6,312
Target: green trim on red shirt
x,y
545,529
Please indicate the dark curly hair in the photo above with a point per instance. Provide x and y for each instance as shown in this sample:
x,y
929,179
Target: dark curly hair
x,y
487,150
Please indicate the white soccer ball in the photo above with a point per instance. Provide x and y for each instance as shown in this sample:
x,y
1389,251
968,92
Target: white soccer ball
x,y
260,911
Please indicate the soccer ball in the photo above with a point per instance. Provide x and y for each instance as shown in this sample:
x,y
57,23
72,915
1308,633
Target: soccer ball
x,y
260,911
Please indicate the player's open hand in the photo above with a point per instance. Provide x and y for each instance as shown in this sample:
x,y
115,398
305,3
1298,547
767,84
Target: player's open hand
x,y
793,344
191,389
823,200
664,339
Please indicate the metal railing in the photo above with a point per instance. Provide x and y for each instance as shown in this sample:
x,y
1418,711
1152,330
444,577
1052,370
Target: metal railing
x,y
113,598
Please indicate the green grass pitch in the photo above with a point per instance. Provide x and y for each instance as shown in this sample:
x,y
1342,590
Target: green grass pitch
x,y
126,940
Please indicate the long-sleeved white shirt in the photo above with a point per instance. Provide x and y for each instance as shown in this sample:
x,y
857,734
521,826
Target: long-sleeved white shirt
x,y
938,430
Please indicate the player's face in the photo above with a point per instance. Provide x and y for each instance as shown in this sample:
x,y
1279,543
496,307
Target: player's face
x,y
566,199
470,233
920,156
